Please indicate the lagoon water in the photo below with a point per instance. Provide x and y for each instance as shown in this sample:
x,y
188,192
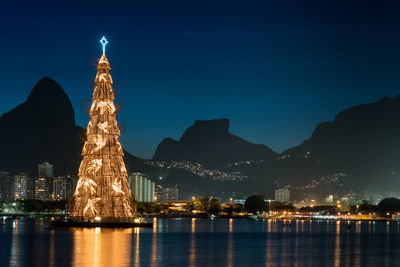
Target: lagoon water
x,y
197,242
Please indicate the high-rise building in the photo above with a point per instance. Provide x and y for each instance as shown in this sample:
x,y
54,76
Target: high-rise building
x,y
42,189
142,187
45,169
6,186
282,195
31,188
63,187
59,188
71,184
167,193
44,182
20,186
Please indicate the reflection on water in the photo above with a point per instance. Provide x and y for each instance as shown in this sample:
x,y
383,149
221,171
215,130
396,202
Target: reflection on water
x,y
154,245
296,245
192,257
197,242
14,246
52,261
337,245
103,247
137,245
229,250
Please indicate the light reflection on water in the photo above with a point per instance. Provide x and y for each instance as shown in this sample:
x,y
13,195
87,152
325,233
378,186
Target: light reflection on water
x,y
103,247
197,242
14,245
192,257
337,244
154,245
229,250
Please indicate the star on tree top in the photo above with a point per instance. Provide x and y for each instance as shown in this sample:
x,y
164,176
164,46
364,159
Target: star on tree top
x,y
104,42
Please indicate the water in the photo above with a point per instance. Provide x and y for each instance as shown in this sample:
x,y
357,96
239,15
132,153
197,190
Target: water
x,y
191,242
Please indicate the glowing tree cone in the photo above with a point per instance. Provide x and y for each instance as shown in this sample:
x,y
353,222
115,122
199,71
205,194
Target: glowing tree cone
x,y
102,192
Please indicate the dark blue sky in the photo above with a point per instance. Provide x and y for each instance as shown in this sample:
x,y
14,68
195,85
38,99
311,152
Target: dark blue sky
x,y
274,68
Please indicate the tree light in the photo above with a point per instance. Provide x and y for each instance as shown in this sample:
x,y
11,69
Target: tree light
x,y
102,190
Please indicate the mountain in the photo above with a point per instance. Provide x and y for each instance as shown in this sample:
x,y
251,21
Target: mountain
x,y
210,143
362,141
358,150
43,128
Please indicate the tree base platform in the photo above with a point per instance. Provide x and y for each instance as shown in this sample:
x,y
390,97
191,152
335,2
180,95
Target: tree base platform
x,y
68,224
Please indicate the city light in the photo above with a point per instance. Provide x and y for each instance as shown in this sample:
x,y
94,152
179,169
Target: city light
x,y
260,133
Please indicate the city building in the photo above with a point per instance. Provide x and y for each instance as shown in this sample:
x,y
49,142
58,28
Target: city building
x,y
42,189
5,186
63,187
329,200
60,186
45,169
239,201
15,187
166,193
20,187
44,182
282,195
71,184
142,188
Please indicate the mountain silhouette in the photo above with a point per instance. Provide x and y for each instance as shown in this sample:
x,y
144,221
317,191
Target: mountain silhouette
x,y
362,142
43,128
210,143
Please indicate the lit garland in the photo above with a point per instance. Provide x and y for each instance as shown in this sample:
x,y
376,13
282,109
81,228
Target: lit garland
x,y
116,185
103,126
88,185
94,166
100,143
91,206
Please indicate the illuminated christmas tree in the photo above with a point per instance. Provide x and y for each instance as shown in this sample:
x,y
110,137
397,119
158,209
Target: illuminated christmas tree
x,y
102,192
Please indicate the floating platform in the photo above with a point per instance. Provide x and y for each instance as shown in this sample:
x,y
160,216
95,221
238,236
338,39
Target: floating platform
x,y
67,224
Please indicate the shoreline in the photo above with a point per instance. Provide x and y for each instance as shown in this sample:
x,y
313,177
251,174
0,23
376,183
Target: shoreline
x,y
208,217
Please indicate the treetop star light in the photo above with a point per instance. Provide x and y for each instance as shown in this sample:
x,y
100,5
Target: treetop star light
x,y
102,191
104,42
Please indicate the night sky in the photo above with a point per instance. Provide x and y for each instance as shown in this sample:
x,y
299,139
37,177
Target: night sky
x,y
274,68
